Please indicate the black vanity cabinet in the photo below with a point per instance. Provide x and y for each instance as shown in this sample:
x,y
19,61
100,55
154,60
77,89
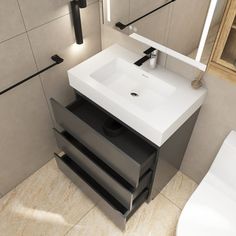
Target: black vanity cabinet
x,y
120,169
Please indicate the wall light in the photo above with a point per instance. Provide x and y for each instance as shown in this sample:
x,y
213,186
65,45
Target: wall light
x,y
206,29
75,8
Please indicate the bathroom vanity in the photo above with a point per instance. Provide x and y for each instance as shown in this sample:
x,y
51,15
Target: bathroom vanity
x,y
125,135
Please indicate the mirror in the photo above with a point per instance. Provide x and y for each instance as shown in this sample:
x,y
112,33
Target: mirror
x,y
184,29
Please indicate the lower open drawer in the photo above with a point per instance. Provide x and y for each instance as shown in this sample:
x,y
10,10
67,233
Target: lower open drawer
x,y
96,169
79,177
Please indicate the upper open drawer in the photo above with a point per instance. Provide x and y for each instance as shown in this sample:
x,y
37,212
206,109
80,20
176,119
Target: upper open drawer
x,y
127,154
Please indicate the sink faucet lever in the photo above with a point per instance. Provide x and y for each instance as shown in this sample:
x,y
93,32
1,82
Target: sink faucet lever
x,y
151,53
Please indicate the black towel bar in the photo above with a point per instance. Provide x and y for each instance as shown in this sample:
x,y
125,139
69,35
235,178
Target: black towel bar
x,y
122,26
55,58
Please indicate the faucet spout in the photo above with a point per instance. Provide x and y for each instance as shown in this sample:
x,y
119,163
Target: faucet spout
x,y
142,60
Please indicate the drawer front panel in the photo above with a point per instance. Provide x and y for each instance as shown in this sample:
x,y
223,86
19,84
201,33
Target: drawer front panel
x,y
120,190
100,146
114,209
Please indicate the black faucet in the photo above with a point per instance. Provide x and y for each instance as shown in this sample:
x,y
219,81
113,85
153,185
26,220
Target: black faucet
x,y
148,53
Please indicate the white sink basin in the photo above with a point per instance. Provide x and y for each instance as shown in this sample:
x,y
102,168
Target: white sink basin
x,y
155,103
133,84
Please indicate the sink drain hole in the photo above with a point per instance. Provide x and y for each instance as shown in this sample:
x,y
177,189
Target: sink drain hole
x,y
134,94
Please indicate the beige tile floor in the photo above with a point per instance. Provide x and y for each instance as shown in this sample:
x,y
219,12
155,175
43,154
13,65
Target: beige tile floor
x,y
48,204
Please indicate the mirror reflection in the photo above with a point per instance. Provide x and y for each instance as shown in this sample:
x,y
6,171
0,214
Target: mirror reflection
x,y
188,27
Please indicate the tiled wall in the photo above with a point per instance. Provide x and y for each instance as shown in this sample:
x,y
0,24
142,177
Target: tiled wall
x,y
218,114
31,31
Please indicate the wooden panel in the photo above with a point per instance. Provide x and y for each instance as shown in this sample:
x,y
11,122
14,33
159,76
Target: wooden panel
x,y
224,48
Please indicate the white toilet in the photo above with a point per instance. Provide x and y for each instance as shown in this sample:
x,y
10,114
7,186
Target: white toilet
x,y
211,210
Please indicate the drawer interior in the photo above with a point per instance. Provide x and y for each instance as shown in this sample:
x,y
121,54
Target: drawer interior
x,y
129,142
97,161
72,170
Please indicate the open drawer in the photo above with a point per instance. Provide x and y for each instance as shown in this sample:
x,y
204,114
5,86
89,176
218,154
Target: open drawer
x,y
127,154
114,184
80,177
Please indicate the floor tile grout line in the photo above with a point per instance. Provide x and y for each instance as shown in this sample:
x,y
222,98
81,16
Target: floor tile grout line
x,y
171,201
95,205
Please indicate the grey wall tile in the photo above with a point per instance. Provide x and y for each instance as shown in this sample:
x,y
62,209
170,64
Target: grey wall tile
x,y
16,61
27,140
216,120
11,20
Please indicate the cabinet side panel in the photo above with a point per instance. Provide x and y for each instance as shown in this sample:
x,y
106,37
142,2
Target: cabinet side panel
x,y
171,154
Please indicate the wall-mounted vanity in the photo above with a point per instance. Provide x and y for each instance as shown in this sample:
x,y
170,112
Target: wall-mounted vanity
x,y
125,135
183,29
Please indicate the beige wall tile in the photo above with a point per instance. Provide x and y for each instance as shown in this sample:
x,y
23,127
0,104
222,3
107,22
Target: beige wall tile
x,y
217,118
90,18
27,140
140,7
154,26
36,13
11,20
47,203
111,36
179,189
16,61
157,218
116,11
58,36
51,39
55,81
186,28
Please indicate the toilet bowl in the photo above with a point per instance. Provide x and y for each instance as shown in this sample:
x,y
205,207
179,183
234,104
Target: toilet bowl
x,y
211,210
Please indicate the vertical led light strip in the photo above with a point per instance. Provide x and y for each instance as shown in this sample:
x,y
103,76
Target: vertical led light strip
x,y
109,10
206,29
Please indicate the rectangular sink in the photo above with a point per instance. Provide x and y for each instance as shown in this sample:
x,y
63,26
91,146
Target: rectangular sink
x,y
155,103
133,84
